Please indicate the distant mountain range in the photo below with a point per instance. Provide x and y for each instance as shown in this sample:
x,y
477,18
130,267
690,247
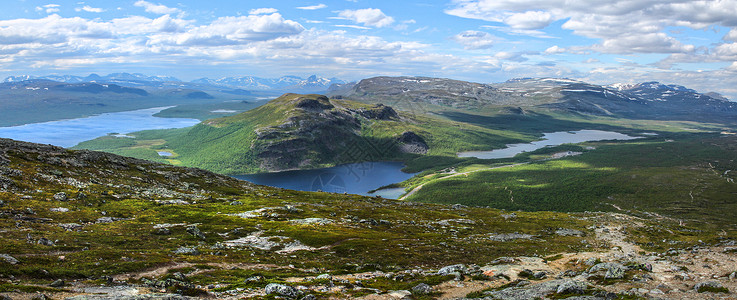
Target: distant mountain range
x,y
651,100
281,84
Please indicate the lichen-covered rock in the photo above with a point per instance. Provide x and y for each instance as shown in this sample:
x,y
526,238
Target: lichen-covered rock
x,y
448,270
193,230
282,290
422,289
8,259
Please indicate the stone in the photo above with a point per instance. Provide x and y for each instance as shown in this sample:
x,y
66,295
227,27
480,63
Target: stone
x,y
422,289
40,297
569,232
448,270
196,232
571,287
236,203
4,297
8,259
187,251
458,206
61,196
612,270
57,283
282,290
308,297
400,294
59,209
540,275
45,242
324,277
257,278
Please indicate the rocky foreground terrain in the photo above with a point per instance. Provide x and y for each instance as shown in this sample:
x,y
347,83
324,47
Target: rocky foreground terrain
x,y
90,225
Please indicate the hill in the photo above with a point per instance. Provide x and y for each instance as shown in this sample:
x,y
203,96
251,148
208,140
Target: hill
x,y
309,131
641,101
102,225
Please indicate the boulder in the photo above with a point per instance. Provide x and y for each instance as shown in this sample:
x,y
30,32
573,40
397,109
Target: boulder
x,y
61,196
8,259
57,283
281,290
422,289
448,270
196,232
187,251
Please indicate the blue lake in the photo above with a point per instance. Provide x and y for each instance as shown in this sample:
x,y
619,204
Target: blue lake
x,y
549,139
358,178
67,133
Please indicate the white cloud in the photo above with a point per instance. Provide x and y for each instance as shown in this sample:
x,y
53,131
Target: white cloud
x,y
313,7
624,26
262,11
234,31
91,9
49,8
369,16
353,26
555,50
529,20
731,35
156,8
472,39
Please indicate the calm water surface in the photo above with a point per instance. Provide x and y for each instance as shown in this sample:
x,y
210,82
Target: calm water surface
x,y
67,133
549,139
358,178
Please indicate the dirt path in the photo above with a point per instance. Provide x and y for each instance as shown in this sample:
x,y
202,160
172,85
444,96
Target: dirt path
x,y
419,187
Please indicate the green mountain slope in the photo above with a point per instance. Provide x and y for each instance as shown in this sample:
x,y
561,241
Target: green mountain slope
x,y
310,131
83,222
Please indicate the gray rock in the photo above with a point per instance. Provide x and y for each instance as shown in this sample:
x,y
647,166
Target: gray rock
x,y
540,275
40,297
591,261
59,209
45,242
8,259
400,294
458,206
187,251
193,230
282,290
531,291
571,287
448,270
422,289
108,220
509,216
257,278
506,237
308,297
2,203
4,297
612,270
70,226
61,196
57,283
324,277
236,203
569,232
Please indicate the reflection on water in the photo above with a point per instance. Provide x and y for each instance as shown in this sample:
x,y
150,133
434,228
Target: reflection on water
x,y
358,178
549,139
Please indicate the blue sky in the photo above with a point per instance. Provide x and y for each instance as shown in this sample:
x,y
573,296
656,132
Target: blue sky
x,y
692,43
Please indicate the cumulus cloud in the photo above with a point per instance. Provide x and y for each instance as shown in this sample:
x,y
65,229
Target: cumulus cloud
x,y
156,8
369,16
529,20
312,7
233,31
624,26
731,36
472,39
555,50
262,11
91,9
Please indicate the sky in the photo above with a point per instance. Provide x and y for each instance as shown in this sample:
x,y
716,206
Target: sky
x,y
690,43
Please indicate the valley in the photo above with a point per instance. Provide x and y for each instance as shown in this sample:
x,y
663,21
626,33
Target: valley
x,y
616,198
